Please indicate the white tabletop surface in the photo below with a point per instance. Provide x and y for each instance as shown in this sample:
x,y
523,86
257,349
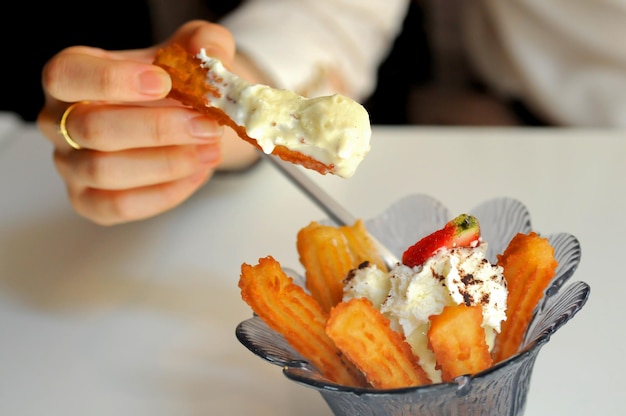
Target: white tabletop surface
x,y
139,319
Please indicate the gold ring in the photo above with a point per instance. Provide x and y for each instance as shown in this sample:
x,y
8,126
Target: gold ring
x,y
63,128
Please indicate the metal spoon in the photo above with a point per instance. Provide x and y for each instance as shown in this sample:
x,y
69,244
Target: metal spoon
x,y
332,208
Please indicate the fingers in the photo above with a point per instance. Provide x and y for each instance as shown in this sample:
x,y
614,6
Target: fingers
x,y
108,127
115,187
84,73
139,153
110,207
134,168
87,74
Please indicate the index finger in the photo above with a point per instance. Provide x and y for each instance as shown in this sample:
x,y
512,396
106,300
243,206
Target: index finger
x,y
214,38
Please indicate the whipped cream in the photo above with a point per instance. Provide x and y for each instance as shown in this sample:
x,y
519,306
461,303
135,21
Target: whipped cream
x,y
409,296
334,130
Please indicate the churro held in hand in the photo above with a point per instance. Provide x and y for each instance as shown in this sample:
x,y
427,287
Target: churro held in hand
x,y
329,134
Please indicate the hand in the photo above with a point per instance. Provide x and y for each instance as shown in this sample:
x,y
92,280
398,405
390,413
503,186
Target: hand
x,y
140,154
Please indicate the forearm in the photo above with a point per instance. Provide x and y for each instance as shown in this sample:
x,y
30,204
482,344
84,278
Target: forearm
x,y
318,47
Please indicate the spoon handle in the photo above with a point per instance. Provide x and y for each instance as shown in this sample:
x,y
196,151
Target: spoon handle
x,y
331,207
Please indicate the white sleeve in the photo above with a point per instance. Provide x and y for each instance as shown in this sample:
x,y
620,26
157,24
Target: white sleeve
x,y
564,58
295,41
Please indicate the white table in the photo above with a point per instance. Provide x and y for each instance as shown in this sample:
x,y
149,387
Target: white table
x,y
139,319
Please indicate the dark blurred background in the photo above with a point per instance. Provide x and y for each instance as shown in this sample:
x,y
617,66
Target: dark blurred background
x,y
48,27
410,89
43,29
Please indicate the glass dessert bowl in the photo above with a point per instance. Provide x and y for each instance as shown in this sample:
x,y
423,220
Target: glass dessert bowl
x,y
500,390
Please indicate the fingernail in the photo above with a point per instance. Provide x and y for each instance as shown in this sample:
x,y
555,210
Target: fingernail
x,y
208,153
204,128
153,83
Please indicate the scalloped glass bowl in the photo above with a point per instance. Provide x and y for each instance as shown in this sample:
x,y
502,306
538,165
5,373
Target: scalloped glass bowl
x,y
501,390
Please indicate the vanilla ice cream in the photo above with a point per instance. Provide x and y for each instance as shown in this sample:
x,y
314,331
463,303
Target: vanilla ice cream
x,y
409,296
334,130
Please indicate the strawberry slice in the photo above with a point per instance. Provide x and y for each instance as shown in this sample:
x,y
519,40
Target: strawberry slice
x,y
461,231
